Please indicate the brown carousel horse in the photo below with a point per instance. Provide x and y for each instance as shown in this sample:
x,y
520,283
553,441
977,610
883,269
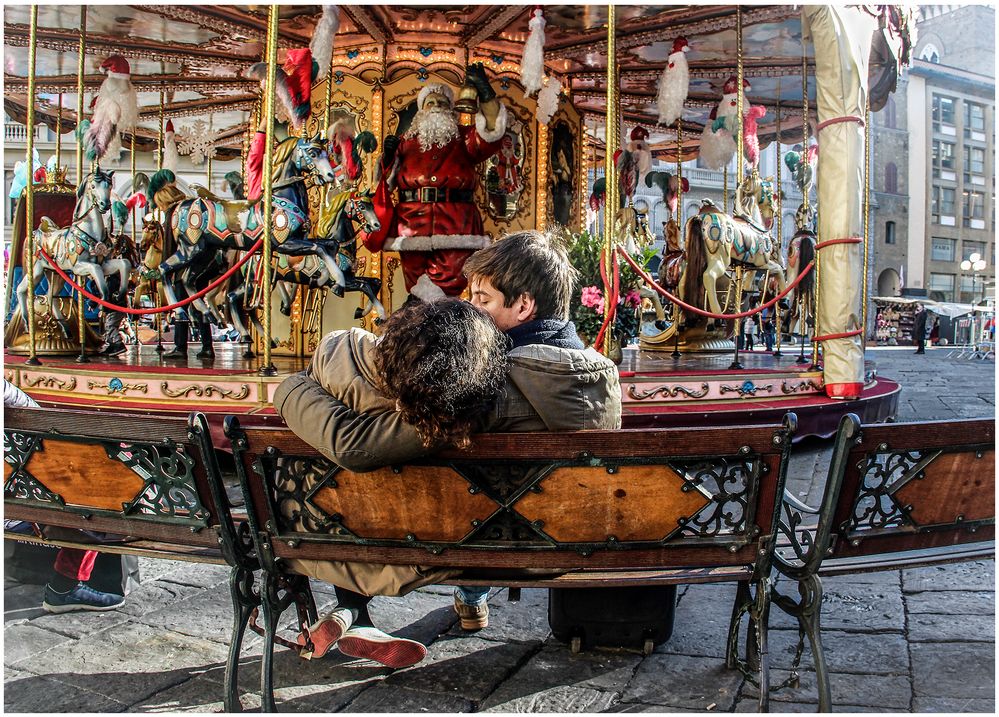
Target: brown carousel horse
x,y
153,238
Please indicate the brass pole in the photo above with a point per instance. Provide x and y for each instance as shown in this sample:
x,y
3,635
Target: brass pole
x,y
159,160
211,151
135,323
867,215
815,297
59,135
80,306
28,250
780,225
156,293
329,99
725,189
267,369
610,173
736,365
739,71
679,223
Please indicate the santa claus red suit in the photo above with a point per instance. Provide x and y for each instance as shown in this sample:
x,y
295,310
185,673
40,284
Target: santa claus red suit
x,y
435,225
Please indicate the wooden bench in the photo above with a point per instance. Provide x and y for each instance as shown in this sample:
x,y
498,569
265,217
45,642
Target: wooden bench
x,y
897,495
595,508
155,480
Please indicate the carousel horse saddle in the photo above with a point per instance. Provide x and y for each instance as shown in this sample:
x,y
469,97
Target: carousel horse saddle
x,y
744,218
231,208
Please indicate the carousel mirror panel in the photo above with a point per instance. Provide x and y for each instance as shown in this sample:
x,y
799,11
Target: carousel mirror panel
x,y
503,174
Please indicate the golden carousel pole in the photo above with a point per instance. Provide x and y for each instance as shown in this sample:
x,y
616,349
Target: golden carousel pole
x,y
267,367
815,298
59,135
780,226
867,216
28,250
679,224
156,292
81,319
610,173
134,322
211,151
740,158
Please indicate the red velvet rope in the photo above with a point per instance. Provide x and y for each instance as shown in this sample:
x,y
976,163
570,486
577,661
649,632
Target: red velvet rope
x,y
162,309
678,301
838,120
844,240
841,335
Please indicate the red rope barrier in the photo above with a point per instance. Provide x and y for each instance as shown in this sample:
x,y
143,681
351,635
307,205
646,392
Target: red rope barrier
x,y
837,120
841,335
126,310
680,302
844,240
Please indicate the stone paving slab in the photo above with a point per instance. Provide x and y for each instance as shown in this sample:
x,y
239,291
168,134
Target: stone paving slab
x,y
979,575
961,670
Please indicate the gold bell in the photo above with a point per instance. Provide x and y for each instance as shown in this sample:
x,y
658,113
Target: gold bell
x,y
468,99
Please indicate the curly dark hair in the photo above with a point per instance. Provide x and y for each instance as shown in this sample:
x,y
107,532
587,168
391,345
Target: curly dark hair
x,y
444,363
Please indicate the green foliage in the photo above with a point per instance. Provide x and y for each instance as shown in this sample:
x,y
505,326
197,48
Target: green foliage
x,y
587,306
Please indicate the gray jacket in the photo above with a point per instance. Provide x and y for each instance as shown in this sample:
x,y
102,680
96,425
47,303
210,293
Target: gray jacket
x,y
334,405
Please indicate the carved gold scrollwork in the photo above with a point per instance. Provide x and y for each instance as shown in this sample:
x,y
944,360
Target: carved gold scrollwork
x,y
207,390
787,387
51,381
116,385
667,392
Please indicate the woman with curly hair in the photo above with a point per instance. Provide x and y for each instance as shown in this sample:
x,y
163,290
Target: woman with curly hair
x,y
438,367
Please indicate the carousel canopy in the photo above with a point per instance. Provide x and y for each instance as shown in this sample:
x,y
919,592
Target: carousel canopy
x,y
196,55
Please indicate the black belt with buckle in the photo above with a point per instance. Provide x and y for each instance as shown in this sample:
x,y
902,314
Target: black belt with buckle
x,y
435,194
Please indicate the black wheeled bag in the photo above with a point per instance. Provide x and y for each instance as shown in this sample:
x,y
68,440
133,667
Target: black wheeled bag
x,y
637,618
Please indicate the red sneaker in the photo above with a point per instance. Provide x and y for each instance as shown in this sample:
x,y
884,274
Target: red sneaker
x,y
325,633
371,643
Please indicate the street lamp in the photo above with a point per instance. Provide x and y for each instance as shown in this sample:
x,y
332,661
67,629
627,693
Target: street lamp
x,y
976,264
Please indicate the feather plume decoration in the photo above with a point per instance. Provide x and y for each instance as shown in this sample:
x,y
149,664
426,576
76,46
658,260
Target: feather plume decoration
x,y
322,38
674,83
532,62
749,133
547,100
717,147
136,201
258,71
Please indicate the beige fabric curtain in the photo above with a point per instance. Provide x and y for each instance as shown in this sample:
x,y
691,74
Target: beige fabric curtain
x,y
841,37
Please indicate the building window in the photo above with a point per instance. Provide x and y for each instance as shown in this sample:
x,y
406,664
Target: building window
x,y
943,160
943,114
943,249
891,178
941,287
973,214
974,121
889,232
942,206
974,165
972,247
888,113
930,53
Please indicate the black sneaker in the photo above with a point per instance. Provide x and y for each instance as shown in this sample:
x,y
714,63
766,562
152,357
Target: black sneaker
x,y
80,597
116,349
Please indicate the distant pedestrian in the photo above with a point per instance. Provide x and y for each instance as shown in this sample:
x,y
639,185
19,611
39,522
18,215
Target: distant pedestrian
x,y
750,330
769,334
919,329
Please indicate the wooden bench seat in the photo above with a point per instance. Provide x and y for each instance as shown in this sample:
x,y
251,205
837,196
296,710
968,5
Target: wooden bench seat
x,y
590,509
155,481
897,495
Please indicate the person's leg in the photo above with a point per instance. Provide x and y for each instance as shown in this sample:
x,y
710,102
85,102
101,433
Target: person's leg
x,y
67,590
471,606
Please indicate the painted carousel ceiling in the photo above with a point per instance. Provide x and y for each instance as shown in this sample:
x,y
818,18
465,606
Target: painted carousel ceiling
x,y
196,54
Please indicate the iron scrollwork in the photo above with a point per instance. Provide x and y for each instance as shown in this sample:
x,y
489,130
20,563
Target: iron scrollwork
x,y
168,471
17,451
729,484
668,392
884,473
296,480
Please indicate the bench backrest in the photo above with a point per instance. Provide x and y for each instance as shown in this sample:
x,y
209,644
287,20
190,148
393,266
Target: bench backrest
x,y
592,499
898,488
155,478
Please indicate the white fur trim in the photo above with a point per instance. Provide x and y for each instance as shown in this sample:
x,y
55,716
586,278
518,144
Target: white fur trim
x,y
498,131
437,241
426,290
434,88
120,76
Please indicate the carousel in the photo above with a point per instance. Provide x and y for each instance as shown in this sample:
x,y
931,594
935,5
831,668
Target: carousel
x,y
237,181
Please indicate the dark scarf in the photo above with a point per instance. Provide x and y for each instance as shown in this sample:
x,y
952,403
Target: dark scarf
x,y
550,332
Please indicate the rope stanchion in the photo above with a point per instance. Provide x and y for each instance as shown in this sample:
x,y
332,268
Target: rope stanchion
x,y
161,309
711,315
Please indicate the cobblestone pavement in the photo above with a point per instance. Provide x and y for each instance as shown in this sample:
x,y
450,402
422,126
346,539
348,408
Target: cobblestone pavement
x,y
911,640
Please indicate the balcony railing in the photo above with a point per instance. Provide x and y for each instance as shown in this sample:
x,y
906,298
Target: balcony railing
x,y
17,133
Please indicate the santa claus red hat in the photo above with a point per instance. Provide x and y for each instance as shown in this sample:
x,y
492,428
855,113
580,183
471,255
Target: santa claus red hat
x,y
116,65
680,45
639,134
732,82
169,127
434,88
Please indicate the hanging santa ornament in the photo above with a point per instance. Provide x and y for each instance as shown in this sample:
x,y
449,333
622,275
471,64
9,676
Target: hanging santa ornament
x,y
547,100
718,139
639,147
532,62
171,157
322,38
293,83
116,108
674,83
749,134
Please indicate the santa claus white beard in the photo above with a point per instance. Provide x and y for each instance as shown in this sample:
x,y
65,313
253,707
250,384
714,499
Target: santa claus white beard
x,y
434,127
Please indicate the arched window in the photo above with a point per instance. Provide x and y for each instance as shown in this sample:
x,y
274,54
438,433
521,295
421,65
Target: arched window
x,y
889,113
930,53
891,178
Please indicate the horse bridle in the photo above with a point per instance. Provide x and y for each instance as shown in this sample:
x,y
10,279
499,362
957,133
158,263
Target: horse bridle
x,y
353,209
87,240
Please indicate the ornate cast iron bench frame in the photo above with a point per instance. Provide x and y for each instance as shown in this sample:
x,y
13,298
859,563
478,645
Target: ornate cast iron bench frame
x,y
898,495
153,479
595,508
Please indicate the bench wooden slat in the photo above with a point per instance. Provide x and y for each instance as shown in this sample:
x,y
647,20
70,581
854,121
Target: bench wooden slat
x,y
610,578
143,548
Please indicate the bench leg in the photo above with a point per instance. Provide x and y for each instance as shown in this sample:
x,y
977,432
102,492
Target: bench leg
x,y
756,642
243,602
739,608
809,621
270,606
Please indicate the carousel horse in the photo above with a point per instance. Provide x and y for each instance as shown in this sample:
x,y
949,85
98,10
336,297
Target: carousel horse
x,y
202,225
714,240
80,248
800,252
153,237
339,216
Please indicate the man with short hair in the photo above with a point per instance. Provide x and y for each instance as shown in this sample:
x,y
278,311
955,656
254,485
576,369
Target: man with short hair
x,y
524,282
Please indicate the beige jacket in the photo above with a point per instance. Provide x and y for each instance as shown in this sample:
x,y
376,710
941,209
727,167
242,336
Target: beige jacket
x,y
335,407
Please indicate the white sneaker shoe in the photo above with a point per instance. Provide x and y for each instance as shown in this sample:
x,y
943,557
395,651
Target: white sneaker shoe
x,y
325,632
371,643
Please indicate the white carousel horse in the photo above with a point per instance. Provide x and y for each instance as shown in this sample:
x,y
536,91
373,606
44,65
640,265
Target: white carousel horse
x,y
714,239
79,248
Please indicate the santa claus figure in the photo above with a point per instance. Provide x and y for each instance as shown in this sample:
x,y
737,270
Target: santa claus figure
x,y
433,222
728,108
639,147
116,109
506,166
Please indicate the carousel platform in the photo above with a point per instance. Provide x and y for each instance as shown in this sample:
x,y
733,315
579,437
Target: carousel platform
x,y
657,390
